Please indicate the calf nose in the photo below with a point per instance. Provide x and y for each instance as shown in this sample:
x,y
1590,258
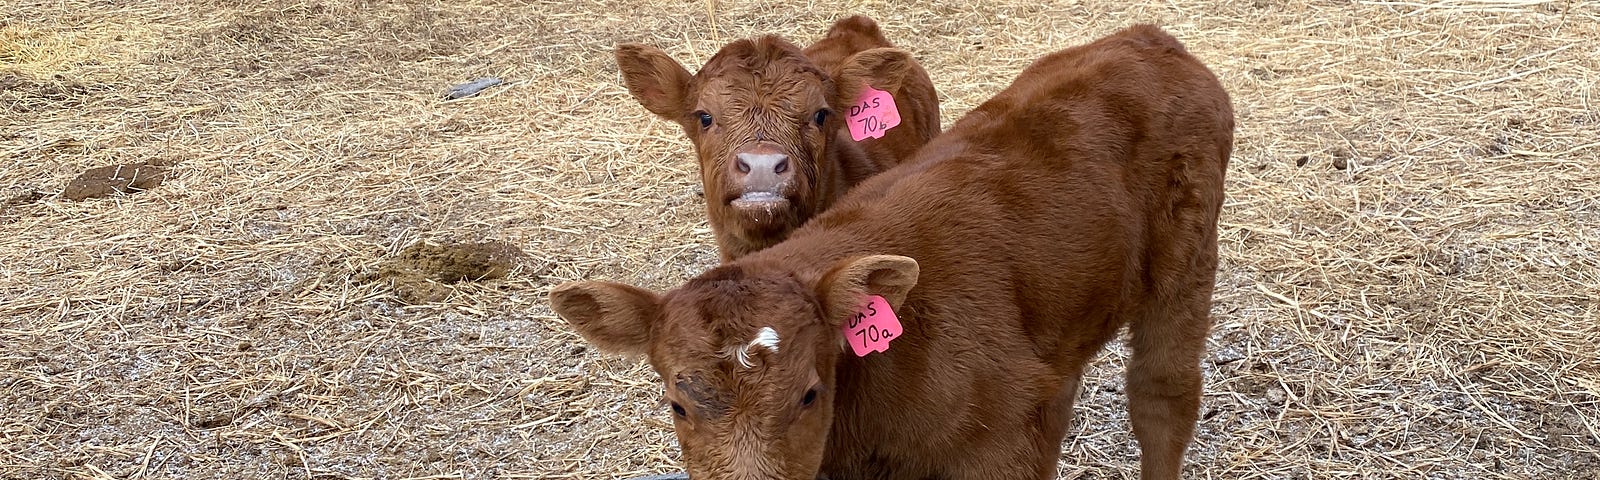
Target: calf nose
x,y
775,163
762,171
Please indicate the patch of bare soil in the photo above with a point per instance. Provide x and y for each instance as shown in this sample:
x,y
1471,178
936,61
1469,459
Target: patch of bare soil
x,y
54,92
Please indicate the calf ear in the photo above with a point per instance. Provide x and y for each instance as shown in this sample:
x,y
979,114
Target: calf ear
x,y
881,68
655,79
859,26
844,289
612,316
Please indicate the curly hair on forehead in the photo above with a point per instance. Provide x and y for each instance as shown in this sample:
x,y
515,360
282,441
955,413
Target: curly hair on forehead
x,y
766,54
725,293
729,297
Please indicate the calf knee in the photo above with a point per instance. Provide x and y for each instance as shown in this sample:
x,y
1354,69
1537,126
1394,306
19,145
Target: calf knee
x,y
1172,382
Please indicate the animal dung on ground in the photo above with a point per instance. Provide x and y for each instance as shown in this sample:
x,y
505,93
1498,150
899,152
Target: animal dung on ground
x,y
420,273
103,181
470,88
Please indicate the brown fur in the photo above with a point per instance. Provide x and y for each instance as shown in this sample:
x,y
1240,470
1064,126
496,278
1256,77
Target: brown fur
x,y
1081,199
762,96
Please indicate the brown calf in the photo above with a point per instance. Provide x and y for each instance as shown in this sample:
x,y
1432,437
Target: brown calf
x,y
1082,198
772,125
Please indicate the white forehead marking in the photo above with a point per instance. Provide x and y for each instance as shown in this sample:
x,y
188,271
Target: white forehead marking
x,y
765,338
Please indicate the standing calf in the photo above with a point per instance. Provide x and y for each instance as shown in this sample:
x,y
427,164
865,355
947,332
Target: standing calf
x,y
772,125
1082,198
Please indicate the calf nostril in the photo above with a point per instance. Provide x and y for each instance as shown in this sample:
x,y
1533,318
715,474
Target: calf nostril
x,y
761,164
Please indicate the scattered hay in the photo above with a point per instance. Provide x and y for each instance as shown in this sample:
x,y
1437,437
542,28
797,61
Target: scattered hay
x,y
14,202
21,198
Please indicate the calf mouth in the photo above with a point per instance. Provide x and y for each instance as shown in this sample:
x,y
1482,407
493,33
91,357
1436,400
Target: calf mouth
x,y
762,209
759,201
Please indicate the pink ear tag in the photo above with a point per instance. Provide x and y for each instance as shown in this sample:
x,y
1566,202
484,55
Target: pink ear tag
x,y
872,114
871,328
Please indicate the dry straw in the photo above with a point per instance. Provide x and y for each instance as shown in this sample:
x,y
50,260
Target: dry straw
x,y
1409,267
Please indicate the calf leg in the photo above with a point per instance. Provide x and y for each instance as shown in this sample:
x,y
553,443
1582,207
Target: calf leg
x,y
1057,416
1054,419
1164,383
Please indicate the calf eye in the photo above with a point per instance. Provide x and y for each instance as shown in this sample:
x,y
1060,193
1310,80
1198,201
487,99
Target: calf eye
x,y
705,119
678,410
822,117
810,398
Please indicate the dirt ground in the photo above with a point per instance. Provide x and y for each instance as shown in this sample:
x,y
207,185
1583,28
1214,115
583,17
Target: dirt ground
x,y
1408,287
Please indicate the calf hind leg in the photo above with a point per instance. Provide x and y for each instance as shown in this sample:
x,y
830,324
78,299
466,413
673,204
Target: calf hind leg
x,y
1164,383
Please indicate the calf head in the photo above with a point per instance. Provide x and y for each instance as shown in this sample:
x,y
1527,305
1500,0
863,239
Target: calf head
x,y
747,356
764,121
